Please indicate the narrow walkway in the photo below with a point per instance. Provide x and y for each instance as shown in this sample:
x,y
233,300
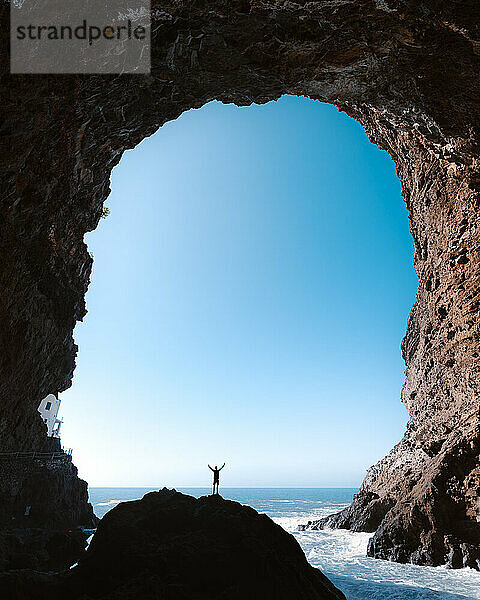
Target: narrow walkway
x,y
34,454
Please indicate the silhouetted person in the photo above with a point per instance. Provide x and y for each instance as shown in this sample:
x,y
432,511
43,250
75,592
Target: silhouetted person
x,y
216,478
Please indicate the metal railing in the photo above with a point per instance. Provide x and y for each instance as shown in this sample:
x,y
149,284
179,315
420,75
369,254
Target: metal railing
x,y
34,454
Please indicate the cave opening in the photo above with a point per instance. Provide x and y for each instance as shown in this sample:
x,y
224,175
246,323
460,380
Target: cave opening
x,y
251,285
409,74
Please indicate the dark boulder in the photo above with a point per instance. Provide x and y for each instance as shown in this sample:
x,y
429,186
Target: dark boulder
x,y
169,546
41,549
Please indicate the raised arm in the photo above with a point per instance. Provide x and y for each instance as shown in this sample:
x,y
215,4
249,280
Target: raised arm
x,y
221,467
211,468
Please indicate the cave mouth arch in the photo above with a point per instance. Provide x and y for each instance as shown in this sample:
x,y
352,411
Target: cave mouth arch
x,y
409,74
254,230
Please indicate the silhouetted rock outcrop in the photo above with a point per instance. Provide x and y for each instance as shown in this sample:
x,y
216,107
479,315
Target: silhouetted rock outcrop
x,y
170,546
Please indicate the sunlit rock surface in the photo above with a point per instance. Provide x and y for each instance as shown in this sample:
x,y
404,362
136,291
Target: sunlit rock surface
x,y
409,72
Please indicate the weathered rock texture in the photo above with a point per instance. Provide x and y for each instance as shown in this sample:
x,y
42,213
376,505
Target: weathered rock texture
x,y
43,506
174,547
49,486
409,72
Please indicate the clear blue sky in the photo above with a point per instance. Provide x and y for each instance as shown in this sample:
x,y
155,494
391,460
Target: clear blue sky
x,y
250,292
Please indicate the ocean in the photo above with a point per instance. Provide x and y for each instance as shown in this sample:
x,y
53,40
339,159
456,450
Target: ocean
x,y
340,554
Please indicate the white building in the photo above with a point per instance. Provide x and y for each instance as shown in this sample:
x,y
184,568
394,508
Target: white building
x,y
48,410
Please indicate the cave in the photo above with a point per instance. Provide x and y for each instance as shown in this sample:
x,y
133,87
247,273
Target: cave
x,y
409,73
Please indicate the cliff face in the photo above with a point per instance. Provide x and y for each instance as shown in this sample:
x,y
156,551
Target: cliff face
x,y
51,489
43,508
409,72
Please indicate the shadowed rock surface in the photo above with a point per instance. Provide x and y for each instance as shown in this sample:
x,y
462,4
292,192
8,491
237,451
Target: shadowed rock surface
x,y
41,549
409,72
43,508
170,546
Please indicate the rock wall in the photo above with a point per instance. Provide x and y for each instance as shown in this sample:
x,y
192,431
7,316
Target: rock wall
x,y
409,72
43,510
51,489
